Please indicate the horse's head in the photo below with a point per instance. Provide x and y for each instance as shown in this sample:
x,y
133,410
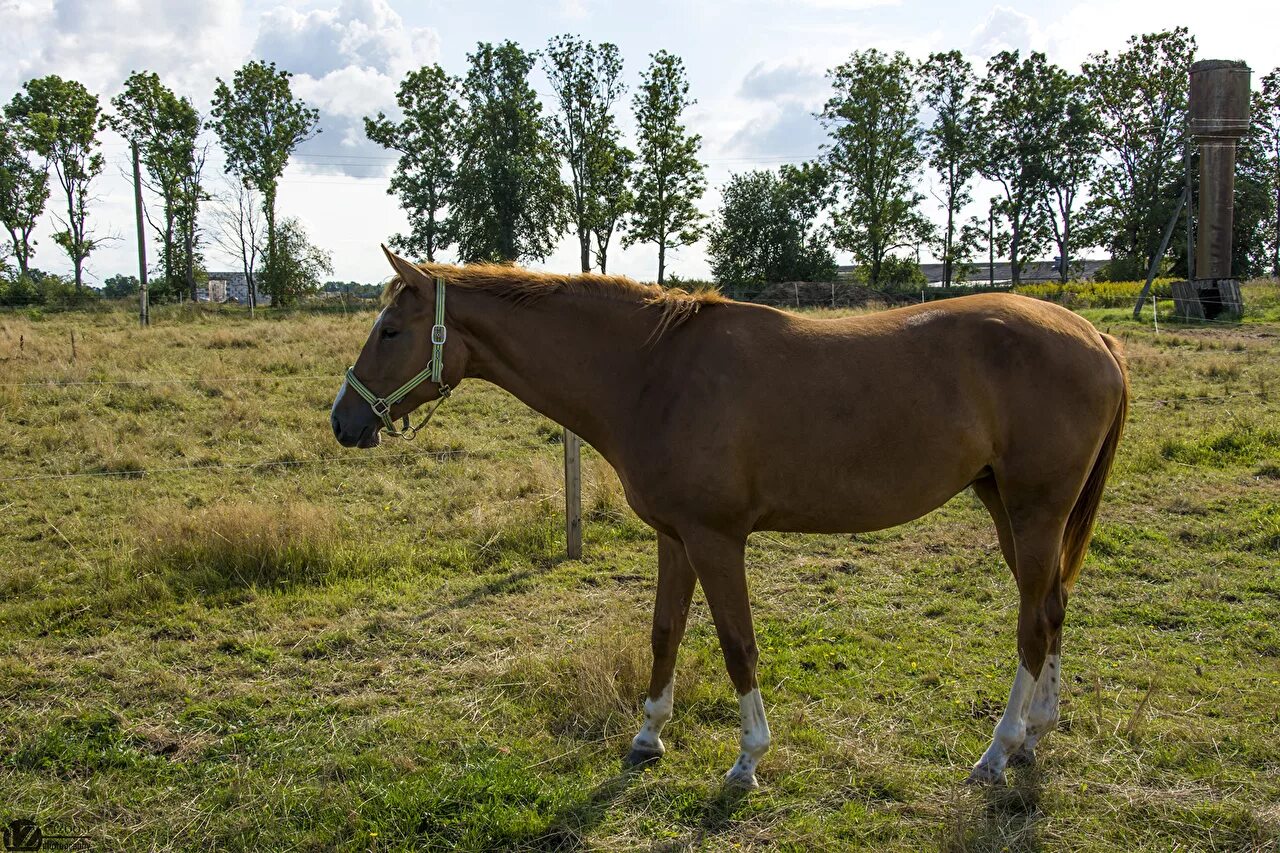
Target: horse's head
x,y
397,352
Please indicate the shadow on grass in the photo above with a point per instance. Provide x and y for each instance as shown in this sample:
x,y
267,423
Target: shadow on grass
x,y
997,817
719,816
571,826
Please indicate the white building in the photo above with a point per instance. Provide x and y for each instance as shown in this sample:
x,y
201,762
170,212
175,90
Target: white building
x,y
230,287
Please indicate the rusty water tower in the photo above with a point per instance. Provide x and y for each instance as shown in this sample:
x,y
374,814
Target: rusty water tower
x,y
1219,117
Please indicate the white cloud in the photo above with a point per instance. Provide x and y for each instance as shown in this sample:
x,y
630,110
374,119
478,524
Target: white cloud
x,y
766,82
347,61
1005,29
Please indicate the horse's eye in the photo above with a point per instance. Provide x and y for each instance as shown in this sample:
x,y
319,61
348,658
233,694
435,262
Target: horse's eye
x,y
388,334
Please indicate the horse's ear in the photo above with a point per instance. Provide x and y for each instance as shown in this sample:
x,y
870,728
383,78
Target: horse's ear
x,y
409,274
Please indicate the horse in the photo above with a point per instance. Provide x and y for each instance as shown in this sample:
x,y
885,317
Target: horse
x,y
722,418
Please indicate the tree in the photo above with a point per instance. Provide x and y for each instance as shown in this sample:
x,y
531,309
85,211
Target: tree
x,y
950,142
764,230
613,168
259,124
1070,161
1022,107
1140,99
300,265
1266,126
426,139
60,120
167,130
238,230
585,80
874,157
24,189
120,287
668,178
509,201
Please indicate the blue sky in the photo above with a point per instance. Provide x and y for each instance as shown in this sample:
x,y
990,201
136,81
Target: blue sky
x,y
755,67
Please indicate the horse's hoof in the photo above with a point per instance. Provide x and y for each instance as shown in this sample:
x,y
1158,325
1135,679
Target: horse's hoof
x,y
641,757
1024,757
738,778
984,775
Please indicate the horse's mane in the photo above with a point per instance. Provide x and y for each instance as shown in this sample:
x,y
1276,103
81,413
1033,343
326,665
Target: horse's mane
x,y
520,285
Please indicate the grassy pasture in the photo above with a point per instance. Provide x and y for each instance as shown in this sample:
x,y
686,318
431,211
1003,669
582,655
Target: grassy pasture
x,y
383,650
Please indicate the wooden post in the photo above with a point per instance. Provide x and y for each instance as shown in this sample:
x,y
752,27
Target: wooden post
x,y
572,495
144,309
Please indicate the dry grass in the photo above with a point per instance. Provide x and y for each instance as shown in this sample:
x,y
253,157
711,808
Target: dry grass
x,y
239,543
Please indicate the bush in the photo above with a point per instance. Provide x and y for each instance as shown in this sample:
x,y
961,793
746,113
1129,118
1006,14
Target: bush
x,y
38,288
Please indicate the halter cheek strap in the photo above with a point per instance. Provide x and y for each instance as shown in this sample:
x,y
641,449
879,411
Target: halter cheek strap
x,y
382,405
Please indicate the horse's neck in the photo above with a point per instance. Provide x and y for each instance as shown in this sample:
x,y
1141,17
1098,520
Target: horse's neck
x,y
576,358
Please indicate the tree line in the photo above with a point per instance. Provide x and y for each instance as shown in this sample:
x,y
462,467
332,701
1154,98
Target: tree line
x,y
483,170
52,128
1096,159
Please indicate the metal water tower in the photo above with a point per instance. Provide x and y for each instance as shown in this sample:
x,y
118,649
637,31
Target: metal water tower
x,y
1219,117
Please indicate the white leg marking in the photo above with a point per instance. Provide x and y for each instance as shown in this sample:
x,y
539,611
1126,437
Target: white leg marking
x,y
656,714
1042,715
755,740
1010,731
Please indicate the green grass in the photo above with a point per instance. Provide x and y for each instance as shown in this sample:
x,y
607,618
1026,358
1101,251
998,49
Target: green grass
x,y
385,650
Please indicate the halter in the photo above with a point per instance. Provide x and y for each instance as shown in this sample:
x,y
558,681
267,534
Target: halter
x,y
382,405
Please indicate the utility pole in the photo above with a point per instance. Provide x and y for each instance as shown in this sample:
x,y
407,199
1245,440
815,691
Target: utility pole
x,y
144,309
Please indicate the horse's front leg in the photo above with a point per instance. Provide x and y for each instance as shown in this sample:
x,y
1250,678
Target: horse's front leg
x,y
718,559
676,581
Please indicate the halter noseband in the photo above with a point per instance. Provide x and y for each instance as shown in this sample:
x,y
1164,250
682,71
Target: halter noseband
x,y
382,405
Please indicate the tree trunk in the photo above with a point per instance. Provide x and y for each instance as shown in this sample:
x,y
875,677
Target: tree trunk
x,y
584,244
1015,272
189,263
946,249
662,261
269,208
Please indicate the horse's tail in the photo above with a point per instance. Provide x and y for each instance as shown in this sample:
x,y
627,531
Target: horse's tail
x,y
1075,541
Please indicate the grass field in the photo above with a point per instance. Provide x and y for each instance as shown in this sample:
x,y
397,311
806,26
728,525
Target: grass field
x,y
381,650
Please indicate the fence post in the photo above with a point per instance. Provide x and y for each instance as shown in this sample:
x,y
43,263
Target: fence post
x,y
144,307
572,495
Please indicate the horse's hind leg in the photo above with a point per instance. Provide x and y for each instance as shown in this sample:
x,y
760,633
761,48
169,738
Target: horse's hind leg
x,y
1037,538
676,582
1041,713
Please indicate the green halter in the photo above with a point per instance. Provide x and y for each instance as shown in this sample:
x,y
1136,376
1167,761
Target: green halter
x,y
382,405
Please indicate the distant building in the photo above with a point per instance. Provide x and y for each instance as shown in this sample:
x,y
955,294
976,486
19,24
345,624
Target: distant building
x,y
978,272
229,287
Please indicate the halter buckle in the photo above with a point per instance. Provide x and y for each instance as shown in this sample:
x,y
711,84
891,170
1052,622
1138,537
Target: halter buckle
x,y
380,408
438,334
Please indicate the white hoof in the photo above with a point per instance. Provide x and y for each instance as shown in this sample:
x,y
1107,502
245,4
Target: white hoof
x,y
741,776
985,774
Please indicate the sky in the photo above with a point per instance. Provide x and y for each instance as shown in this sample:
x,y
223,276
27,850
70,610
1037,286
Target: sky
x,y
756,69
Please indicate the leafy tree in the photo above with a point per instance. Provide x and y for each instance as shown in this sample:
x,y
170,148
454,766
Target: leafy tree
x,y
764,230
299,266
1253,222
668,178
1070,162
508,199
874,157
1266,129
24,189
1023,104
613,169
60,120
426,139
167,130
120,287
947,88
1140,99
586,81
259,124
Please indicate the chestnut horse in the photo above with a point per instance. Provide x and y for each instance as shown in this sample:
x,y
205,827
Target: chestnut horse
x,y
722,418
